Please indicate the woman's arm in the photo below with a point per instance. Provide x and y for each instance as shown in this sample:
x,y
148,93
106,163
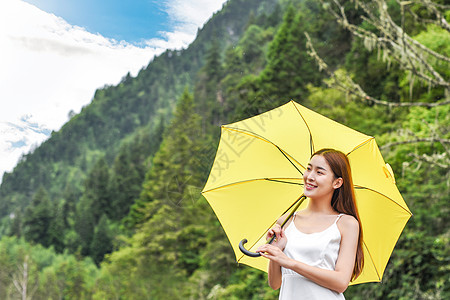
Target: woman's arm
x,y
274,271
336,280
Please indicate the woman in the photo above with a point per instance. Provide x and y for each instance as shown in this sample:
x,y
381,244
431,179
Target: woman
x,y
320,250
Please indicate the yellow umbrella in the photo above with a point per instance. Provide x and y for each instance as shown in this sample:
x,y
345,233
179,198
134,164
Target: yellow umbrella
x,y
257,176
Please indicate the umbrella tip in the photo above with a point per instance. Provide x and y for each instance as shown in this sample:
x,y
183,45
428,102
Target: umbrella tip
x,y
389,172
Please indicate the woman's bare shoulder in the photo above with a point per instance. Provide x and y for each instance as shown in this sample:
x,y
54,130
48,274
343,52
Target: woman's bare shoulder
x,y
283,218
348,223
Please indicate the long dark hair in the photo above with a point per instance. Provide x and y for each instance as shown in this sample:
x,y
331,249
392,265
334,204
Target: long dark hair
x,y
343,200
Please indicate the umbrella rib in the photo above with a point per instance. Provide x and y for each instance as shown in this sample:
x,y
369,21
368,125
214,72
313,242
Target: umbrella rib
x,y
250,180
371,259
285,155
311,137
288,157
281,181
360,145
311,142
372,190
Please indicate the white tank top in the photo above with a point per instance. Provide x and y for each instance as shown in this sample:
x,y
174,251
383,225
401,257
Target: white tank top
x,y
319,249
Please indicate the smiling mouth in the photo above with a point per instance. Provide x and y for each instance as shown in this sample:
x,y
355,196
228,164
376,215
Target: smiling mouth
x,y
310,186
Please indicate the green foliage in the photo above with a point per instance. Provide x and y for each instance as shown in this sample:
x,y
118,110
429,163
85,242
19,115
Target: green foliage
x,y
251,46
289,69
419,263
129,168
349,111
38,273
176,161
286,73
167,234
373,74
248,284
67,278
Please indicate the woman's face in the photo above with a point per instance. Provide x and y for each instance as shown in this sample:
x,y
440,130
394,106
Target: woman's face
x,y
319,179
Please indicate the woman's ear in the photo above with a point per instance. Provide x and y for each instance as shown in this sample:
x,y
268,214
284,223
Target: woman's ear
x,y
338,183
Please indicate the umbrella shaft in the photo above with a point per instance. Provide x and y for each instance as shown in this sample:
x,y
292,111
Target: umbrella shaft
x,y
298,202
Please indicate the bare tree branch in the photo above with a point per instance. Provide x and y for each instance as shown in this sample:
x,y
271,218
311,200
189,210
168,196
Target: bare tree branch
x,y
20,280
429,140
440,21
437,159
347,85
432,7
393,40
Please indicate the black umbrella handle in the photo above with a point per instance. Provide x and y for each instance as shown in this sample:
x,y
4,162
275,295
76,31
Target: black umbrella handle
x,y
245,251
249,253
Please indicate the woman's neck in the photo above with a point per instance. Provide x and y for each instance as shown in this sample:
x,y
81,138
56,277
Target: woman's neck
x,y
322,206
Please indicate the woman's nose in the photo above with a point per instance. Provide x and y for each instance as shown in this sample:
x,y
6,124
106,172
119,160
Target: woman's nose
x,y
310,176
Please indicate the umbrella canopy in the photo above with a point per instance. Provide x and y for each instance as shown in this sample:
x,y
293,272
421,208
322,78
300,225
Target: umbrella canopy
x,y
257,176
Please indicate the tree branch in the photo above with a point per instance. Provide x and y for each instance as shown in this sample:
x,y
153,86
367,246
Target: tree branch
x,y
347,85
419,140
434,160
431,7
393,40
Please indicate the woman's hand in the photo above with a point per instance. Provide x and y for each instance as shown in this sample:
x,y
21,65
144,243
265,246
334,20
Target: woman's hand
x,y
280,238
275,254
274,250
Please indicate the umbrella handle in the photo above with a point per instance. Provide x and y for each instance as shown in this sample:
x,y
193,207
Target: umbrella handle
x,y
245,251
257,254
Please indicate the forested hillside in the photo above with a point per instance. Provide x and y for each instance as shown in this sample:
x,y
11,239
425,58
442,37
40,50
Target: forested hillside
x,y
110,207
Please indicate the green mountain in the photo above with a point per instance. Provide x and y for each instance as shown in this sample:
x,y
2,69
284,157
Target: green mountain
x,y
109,207
118,112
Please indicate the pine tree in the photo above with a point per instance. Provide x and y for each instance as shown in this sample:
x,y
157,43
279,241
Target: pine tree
x,y
289,68
96,189
252,47
171,221
69,205
208,88
16,227
37,218
175,163
57,228
102,241
125,184
94,202
84,226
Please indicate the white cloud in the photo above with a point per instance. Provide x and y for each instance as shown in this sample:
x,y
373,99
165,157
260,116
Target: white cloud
x,y
193,12
186,16
17,138
49,67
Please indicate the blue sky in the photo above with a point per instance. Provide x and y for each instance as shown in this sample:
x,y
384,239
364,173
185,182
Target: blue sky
x,y
57,53
132,21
